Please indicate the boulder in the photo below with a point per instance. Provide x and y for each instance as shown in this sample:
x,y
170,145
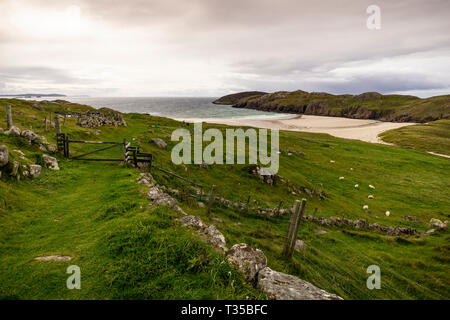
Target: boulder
x,y
247,260
35,170
4,156
437,224
50,162
299,245
215,238
31,137
14,131
158,197
159,143
281,286
192,221
51,148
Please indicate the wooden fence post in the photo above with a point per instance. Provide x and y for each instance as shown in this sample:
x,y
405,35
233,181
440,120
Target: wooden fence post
x,y
9,121
294,224
57,125
279,207
66,146
210,201
45,123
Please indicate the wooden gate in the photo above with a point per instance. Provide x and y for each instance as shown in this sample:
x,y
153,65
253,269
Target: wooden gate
x,y
130,154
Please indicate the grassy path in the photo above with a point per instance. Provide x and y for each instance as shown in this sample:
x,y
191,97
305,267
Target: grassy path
x,y
95,214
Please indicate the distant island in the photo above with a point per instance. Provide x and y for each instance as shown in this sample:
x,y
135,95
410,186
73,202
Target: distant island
x,y
368,105
33,95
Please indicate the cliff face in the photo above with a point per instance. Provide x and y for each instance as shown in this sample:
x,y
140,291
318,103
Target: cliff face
x,y
369,105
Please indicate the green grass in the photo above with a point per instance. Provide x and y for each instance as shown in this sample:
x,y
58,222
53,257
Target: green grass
x,y
433,136
126,251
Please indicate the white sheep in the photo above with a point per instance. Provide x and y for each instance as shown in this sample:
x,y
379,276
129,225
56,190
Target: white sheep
x,y
388,213
341,178
371,186
366,207
370,196
356,185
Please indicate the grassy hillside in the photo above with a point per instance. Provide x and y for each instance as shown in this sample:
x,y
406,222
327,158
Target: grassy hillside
x,y
369,105
433,136
131,250
235,97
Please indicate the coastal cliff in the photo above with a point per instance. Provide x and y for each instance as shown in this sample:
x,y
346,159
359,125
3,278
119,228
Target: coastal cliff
x,y
368,105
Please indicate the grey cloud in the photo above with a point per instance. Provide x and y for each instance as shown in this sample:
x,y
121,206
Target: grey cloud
x,y
40,74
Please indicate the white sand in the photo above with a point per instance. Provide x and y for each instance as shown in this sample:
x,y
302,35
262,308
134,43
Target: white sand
x,y
360,129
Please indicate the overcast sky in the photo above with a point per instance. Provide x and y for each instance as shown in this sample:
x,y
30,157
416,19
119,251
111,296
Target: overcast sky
x,y
212,48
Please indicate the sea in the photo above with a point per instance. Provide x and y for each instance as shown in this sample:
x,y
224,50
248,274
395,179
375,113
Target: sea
x,y
179,108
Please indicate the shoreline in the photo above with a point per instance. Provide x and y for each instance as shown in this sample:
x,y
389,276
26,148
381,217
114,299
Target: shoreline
x,y
359,129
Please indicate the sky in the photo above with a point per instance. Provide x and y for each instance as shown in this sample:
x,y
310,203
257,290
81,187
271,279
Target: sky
x,y
213,47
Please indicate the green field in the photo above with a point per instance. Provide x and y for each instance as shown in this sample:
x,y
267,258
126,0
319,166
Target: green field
x,y
433,136
128,249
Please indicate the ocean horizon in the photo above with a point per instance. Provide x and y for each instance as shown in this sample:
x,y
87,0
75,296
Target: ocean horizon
x,y
179,108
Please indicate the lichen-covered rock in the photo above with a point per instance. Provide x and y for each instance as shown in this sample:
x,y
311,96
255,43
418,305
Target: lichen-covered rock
x,y
35,170
247,260
437,224
160,143
281,286
14,131
31,137
51,148
192,221
50,162
160,198
4,155
215,238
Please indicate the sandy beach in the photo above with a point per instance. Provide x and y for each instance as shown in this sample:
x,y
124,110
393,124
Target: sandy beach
x,y
360,129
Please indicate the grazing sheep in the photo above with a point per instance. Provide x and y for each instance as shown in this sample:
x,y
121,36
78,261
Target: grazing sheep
x,y
331,161
370,196
388,213
366,207
341,178
371,186
356,185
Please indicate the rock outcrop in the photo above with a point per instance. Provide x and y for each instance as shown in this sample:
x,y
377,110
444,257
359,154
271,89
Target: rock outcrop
x,y
13,131
160,143
35,170
4,156
247,260
437,224
50,162
31,137
282,286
